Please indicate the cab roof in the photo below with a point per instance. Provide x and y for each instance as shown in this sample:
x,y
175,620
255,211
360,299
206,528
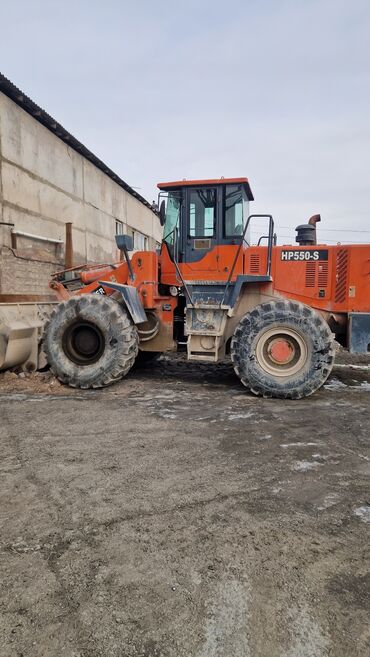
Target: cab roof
x,y
166,186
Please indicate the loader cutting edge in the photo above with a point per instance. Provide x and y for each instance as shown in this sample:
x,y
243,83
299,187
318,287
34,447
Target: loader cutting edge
x,y
275,309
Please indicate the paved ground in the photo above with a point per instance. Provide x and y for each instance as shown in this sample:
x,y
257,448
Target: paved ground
x,y
174,515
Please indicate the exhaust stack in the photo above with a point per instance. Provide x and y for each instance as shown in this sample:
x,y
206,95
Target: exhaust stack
x,y
306,233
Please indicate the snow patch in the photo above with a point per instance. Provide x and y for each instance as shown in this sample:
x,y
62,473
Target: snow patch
x,y
240,416
335,384
352,366
284,445
363,512
304,466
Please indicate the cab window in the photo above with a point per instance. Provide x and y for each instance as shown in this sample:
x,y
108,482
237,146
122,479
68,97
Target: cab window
x,y
202,212
233,210
173,207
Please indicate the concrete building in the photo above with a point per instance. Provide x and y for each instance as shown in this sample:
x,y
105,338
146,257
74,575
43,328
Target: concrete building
x,y
48,179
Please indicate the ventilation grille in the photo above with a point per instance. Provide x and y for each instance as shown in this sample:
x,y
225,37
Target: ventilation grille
x,y
323,274
310,274
254,263
342,272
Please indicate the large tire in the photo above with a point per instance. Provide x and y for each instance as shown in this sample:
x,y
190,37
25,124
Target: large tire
x,y
283,349
90,341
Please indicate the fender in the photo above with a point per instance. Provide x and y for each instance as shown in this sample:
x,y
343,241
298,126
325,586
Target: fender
x,y
131,298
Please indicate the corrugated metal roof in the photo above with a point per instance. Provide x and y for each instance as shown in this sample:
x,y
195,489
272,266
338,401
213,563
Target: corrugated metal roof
x,y
20,98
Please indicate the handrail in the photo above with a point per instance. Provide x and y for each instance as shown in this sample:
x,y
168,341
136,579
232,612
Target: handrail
x,y
265,237
269,250
177,266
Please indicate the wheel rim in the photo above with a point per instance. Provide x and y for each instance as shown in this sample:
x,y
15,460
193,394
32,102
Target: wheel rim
x,y
83,343
281,351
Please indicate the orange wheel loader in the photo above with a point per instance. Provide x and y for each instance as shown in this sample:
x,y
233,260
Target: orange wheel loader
x,y
275,309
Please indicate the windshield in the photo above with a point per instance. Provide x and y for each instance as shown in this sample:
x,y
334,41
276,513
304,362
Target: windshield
x,y
172,216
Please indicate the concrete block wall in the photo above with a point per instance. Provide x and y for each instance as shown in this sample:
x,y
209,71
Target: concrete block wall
x,y
44,183
24,276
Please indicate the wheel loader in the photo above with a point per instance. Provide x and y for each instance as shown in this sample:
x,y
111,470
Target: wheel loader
x,y
276,310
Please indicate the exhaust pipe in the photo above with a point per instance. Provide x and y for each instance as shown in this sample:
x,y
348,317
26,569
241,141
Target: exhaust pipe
x,y
313,221
306,233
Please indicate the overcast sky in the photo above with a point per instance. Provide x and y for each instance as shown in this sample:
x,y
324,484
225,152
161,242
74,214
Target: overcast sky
x,y
275,90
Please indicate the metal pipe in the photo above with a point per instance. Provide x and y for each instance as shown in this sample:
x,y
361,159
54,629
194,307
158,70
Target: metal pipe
x,y
68,257
312,222
20,233
269,248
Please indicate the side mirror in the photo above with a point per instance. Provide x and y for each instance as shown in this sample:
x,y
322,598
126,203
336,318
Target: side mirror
x,y
162,213
125,242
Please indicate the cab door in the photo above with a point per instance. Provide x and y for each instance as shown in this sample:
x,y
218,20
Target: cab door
x,y
200,235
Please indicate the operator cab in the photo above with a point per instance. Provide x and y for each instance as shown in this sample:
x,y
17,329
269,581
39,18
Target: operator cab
x,y
200,215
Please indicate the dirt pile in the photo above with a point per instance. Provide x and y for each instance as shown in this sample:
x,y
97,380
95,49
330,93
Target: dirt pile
x,y
30,382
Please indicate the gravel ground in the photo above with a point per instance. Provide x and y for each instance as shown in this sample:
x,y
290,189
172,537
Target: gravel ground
x,y
175,515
